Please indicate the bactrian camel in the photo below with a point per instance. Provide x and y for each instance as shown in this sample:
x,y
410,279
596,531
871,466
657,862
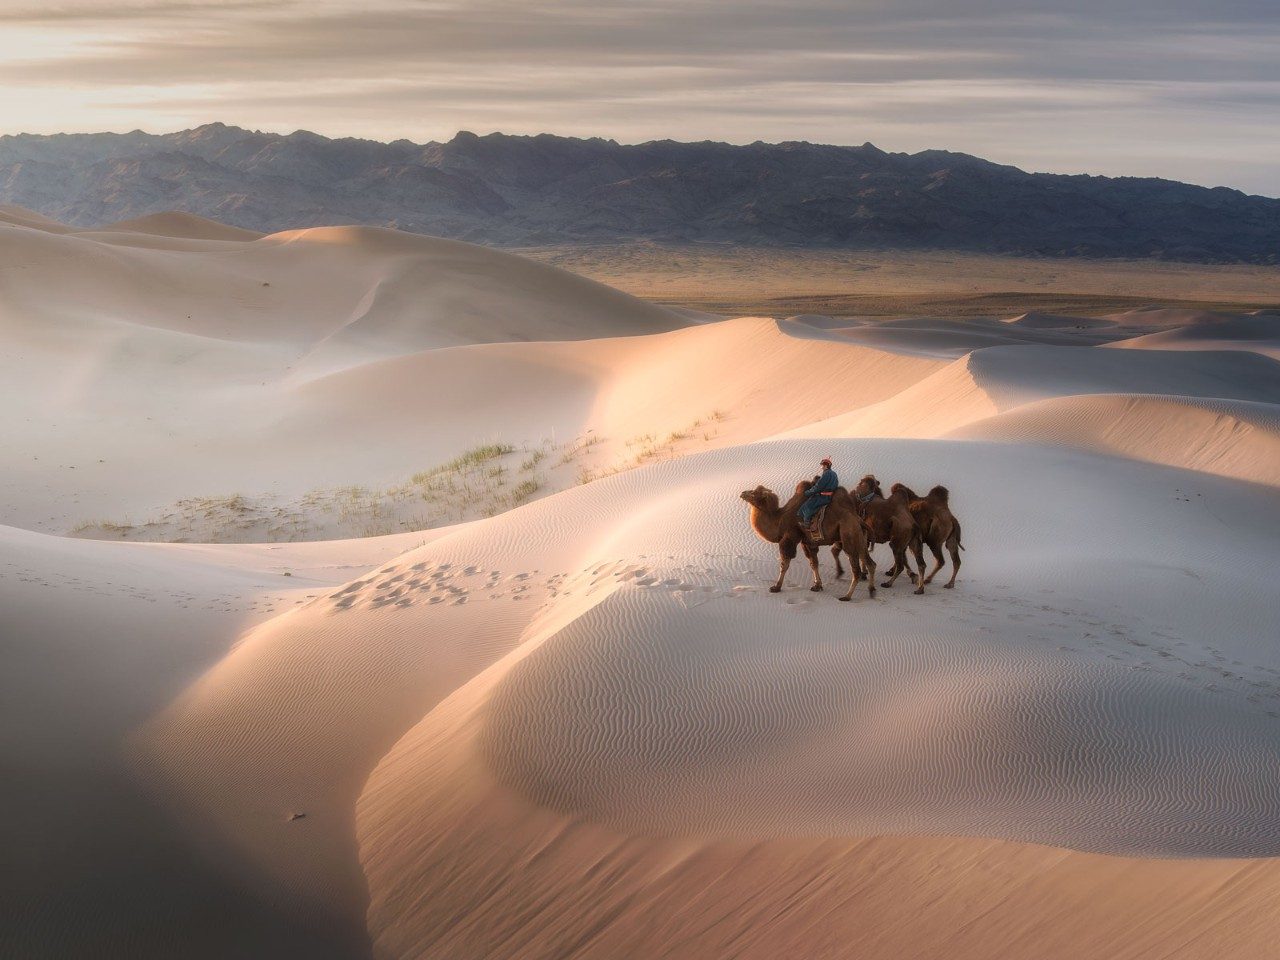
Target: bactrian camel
x,y
890,521
938,527
780,524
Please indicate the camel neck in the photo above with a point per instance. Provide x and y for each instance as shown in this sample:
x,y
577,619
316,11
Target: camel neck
x,y
767,523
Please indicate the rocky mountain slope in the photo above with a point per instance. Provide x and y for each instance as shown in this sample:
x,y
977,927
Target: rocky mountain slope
x,y
509,190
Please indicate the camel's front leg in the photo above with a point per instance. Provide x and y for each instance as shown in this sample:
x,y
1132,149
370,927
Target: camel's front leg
x,y
857,566
900,565
786,552
812,553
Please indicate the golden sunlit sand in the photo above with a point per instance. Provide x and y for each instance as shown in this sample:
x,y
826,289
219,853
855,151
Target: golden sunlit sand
x,y
485,663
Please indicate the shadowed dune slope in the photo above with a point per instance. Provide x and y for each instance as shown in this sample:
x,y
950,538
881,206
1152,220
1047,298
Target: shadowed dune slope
x,y
998,379
1050,321
1259,332
96,638
944,338
1230,438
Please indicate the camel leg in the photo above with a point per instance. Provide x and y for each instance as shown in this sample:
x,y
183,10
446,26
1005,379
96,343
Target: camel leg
x,y
918,549
855,574
914,545
955,564
900,565
861,566
812,553
835,555
786,553
856,566
938,561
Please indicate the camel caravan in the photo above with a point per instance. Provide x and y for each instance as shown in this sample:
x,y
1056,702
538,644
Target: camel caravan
x,y
822,513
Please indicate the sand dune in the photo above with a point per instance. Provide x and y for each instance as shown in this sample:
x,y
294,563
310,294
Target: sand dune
x,y
393,291
1051,321
183,225
603,645
97,637
1228,438
1258,332
227,333
21,217
582,727
995,380
944,338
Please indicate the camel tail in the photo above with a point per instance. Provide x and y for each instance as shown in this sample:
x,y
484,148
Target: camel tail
x,y
940,493
958,543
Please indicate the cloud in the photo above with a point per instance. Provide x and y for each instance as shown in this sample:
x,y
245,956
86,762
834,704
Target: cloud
x,y
89,12
963,74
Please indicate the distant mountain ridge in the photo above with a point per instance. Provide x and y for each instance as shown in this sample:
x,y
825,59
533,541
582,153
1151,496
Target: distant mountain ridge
x,y
512,191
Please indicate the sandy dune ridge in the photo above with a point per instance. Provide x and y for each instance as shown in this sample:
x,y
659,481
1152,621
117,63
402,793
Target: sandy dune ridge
x,y
582,727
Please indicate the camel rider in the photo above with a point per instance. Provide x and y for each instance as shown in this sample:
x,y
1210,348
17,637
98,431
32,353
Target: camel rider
x,y
820,493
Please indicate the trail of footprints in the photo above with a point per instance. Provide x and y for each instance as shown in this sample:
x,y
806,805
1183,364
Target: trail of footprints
x,y
1151,647
1050,622
431,583
442,583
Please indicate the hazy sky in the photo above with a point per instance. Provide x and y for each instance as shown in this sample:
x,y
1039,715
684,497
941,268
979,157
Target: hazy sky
x,y
1188,89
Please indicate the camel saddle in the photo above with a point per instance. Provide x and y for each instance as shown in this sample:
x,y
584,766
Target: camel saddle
x,y
813,529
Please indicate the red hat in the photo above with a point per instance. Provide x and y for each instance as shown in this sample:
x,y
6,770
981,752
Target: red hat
x,y
825,461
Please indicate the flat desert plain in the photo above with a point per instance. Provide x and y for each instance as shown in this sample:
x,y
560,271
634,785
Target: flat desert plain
x,y
367,595
784,281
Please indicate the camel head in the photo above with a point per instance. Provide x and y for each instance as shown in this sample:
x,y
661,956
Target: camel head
x,y
761,497
868,488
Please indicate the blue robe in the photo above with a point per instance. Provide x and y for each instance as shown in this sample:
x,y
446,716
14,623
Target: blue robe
x,y
819,495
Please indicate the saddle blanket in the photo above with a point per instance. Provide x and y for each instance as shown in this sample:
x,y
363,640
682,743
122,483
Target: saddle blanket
x,y
813,529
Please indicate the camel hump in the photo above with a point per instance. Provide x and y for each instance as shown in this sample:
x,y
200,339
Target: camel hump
x,y
940,493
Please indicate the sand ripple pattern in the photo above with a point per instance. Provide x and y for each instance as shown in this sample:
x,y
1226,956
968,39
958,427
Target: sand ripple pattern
x,y
750,725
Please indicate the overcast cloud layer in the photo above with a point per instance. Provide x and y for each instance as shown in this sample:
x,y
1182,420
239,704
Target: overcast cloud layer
x,y
1186,89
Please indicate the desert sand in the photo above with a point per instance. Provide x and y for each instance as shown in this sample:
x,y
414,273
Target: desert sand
x,y
485,663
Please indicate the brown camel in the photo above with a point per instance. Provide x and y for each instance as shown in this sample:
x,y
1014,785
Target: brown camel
x,y
890,521
938,527
780,524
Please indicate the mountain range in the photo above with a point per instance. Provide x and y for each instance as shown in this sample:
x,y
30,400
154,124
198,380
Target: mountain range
x,y
539,190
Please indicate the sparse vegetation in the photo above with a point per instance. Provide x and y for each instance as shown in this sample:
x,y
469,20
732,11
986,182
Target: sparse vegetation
x,y
475,457
523,491
480,481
